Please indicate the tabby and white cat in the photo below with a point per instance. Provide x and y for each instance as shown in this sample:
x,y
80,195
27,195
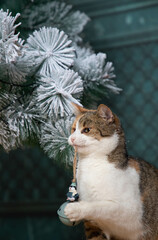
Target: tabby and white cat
x,y
118,193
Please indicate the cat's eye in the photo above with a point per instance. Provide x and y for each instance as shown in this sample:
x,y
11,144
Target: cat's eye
x,y
86,130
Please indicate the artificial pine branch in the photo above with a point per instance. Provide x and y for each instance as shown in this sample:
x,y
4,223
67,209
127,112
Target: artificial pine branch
x,y
51,50
42,76
56,14
54,140
56,92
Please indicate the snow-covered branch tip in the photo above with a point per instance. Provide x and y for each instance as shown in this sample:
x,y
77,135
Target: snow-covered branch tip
x,y
51,50
57,91
54,140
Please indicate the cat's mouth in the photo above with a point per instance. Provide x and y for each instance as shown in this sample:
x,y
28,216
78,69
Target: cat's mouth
x,y
78,146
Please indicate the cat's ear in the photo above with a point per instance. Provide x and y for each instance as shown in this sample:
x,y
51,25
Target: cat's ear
x,y
105,112
78,110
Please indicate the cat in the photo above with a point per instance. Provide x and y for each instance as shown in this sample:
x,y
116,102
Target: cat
x,y
118,194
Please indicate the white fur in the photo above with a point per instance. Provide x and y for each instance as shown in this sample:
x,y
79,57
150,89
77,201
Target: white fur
x,y
109,196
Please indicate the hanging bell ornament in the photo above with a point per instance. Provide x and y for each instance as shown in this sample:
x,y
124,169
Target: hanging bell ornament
x,y
72,196
63,218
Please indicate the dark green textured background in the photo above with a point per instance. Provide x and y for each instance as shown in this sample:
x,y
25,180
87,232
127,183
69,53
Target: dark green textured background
x,y
32,186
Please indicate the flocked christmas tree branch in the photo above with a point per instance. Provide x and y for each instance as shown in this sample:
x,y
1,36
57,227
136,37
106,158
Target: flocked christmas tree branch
x,y
41,75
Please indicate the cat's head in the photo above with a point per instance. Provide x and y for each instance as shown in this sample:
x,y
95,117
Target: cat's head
x,y
95,130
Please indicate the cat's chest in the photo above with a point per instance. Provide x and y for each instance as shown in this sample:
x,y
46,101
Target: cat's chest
x,y
99,179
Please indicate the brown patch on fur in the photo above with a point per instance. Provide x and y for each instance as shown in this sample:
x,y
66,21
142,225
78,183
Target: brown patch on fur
x,y
144,195
78,110
149,192
119,156
118,124
134,164
74,123
114,238
93,232
89,120
99,127
149,236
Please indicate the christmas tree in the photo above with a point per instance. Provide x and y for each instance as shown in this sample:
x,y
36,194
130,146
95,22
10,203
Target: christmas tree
x,y
41,76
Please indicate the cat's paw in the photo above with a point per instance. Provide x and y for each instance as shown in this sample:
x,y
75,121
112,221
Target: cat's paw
x,y
73,211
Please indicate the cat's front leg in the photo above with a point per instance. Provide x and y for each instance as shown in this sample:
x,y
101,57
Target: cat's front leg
x,y
93,210
76,211
90,210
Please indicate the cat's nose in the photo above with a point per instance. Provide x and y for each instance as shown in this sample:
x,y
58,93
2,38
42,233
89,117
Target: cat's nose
x,y
72,139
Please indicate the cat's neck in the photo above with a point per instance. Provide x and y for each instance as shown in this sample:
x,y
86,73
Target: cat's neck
x,y
92,161
92,155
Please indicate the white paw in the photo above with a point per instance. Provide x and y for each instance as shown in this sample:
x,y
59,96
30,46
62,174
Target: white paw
x,y
73,211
